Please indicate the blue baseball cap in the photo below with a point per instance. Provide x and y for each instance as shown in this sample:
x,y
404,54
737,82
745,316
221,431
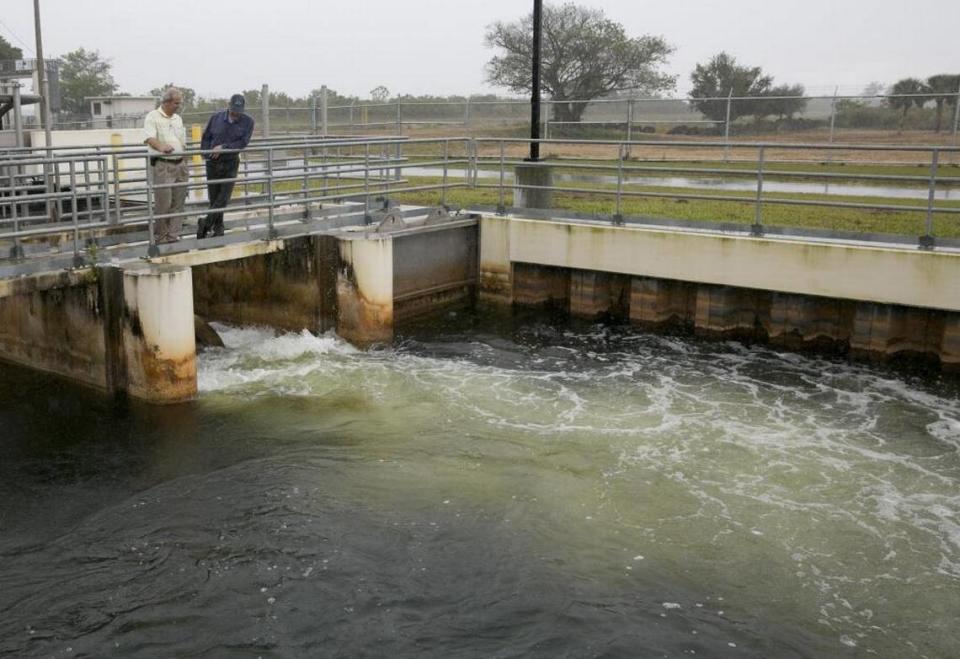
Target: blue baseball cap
x,y
237,102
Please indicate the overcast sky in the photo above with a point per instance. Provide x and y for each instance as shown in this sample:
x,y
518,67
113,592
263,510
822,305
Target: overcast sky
x,y
436,46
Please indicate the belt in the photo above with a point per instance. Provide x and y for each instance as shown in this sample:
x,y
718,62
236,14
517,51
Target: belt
x,y
174,161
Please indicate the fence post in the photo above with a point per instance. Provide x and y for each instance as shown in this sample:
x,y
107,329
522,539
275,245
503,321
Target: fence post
x,y
353,105
927,241
313,114
466,115
629,123
399,117
324,105
833,113
726,130
956,116
265,109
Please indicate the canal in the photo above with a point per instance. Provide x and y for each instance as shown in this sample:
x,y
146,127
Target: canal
x,y
486,486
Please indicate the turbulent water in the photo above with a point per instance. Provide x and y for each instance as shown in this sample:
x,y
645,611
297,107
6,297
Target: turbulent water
x,y
512,489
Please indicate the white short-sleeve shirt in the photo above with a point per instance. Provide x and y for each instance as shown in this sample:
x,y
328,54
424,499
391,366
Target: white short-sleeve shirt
x,y
167,130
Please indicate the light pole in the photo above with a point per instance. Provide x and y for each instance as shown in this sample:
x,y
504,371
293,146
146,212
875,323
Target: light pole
x,y
535,95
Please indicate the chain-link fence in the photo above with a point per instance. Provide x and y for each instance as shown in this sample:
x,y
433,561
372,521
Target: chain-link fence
x,y
919,118
911,119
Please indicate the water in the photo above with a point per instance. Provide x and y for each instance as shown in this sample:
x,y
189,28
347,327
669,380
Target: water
x,y
501,488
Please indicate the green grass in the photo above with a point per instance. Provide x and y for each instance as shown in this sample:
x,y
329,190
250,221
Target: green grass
x,y
601,201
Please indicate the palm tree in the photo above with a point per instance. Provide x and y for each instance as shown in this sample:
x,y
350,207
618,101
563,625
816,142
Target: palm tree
x,y
905,94
945,88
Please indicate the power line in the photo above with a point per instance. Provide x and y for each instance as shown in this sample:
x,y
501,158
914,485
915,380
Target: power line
x,y
17,38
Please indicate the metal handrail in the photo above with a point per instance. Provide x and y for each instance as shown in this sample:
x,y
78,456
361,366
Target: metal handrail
x,y
283,173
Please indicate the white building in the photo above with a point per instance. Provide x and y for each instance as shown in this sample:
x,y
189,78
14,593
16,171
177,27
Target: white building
x,y
118,111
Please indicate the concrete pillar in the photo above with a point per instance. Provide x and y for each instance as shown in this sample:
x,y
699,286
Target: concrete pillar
x,y
539,176
881,331
725,311
597,294
157,331
496,283
950,344
660,302
365,290
541,285
798,322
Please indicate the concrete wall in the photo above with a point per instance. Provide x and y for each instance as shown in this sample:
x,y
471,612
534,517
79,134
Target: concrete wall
x,y
865,301
124,331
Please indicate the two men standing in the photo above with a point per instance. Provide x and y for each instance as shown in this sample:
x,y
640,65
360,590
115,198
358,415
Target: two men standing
x,y
231,130
227,132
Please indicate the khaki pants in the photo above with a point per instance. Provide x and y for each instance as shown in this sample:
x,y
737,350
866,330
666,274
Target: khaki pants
x,y
169,200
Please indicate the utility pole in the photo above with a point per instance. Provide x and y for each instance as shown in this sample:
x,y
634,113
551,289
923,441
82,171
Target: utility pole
x,y
535,96
42,81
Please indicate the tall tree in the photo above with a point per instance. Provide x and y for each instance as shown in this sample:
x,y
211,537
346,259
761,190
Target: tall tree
x,y
9,51
83,74
584,56
722,77
906,94
783,101
944,89
189,95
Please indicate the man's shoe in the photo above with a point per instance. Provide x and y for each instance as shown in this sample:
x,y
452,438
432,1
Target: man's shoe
x,y
202,228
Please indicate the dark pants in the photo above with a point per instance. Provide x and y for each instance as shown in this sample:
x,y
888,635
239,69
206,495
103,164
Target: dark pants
x,y
218,193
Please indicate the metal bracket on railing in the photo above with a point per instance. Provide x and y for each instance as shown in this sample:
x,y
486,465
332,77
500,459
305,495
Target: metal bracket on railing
x,y
756,230
16,252
437,216
927,242
392,221
618,219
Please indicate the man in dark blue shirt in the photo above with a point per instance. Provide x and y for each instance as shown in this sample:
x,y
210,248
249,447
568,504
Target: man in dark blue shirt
x,y
231,130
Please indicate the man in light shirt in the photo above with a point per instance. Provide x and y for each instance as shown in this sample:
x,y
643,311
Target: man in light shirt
x,y
166,141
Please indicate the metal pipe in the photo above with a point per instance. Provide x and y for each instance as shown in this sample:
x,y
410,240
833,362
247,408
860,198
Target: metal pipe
x,y
152,249
535,92
618,215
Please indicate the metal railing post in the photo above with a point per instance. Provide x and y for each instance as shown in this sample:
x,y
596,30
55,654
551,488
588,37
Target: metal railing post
x,y
115,160
152,249
271,230
618,215
927,241
399,117
446,165
16,251
757,228
306,184
366,183
629,124
105,189
501,207
77,259
313,115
